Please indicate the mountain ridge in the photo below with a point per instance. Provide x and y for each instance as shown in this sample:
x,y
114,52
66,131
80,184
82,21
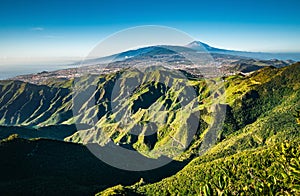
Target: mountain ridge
x,y
198,45
259,113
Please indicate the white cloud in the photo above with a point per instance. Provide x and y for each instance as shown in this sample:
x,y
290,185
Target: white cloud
x,y
38,29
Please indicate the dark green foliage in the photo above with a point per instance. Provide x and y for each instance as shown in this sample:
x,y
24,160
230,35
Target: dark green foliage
x,y
49,167
271,167
230,124
58,132
267,171
248,155
297,115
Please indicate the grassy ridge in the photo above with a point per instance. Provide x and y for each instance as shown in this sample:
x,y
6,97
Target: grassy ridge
x,y
261,126
264,171
258,147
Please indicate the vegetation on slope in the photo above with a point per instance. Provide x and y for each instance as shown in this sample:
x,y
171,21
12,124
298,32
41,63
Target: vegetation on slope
x,y
258,148
270,170
262,112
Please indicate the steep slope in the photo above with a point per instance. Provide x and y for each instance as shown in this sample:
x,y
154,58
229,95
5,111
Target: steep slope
x,y
103,101
264,171
151,112
261,116
27,104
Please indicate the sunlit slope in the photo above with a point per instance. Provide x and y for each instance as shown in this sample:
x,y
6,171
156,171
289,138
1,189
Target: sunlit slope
x,y
163,111
163,103
155,114
266,170
148,112
252,154
28,104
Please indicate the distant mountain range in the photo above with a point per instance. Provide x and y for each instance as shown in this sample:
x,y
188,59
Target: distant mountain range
x,y
233,61
197,46
195,59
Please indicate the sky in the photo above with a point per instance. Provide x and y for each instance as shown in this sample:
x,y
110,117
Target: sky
x,y
48,29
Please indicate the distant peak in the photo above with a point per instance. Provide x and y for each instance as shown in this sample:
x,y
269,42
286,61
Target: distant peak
x,y
201,45
197,43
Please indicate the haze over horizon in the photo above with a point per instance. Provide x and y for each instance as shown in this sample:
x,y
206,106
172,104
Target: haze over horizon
x,y
45,29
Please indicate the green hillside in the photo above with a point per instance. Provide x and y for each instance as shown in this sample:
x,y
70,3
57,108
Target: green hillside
x,y
272,170
257,152
29,105
241,124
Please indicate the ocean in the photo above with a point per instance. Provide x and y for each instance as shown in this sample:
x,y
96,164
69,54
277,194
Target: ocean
x,y
10,71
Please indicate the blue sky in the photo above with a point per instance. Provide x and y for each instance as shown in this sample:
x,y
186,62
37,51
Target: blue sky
x,y
56,28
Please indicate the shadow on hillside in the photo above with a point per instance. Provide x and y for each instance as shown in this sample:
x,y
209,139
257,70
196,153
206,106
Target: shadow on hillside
x,y
48,167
